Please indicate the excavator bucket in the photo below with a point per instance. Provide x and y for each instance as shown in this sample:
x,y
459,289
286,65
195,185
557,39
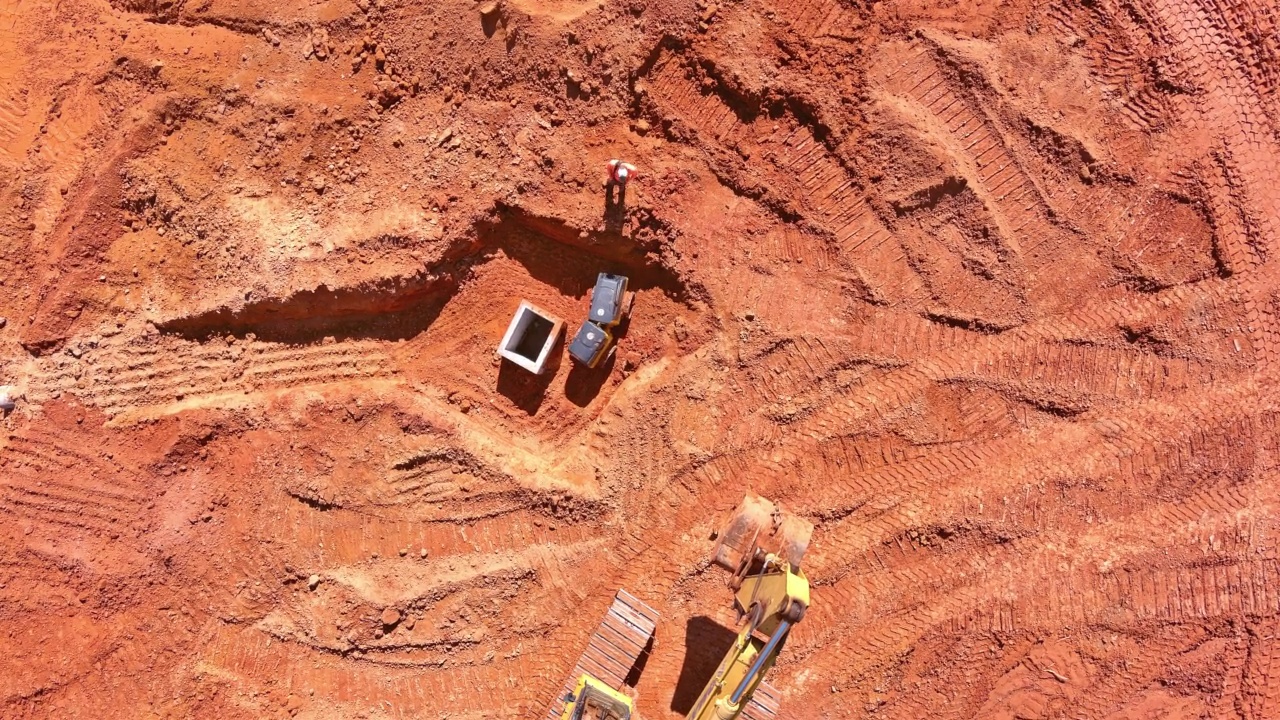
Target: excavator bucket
x,y
619,641
763,525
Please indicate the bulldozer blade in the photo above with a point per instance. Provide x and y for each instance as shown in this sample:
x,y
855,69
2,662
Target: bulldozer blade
x,y
615,647
761,524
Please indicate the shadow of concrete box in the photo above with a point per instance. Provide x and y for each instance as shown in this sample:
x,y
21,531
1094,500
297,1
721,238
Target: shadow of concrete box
x,y
530,338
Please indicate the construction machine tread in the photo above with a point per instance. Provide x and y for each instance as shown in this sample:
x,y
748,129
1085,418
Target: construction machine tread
x,y
763,704
612,651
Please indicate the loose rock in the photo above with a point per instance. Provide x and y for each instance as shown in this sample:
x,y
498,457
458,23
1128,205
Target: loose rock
x,y
390,617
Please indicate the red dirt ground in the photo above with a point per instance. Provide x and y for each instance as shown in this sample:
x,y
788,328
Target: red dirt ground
x,y
988,291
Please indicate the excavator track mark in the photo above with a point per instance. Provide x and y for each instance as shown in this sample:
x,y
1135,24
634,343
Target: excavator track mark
x,y
622,637
763,704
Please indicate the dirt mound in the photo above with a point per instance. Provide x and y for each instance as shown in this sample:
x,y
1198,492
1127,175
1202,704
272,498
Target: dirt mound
x,y
986,291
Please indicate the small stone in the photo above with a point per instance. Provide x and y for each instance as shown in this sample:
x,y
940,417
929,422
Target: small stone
x,y
313,581
318,183
404,551
709,13
409,623
390,617
4,321
641,126
1086,174
488,9
424,553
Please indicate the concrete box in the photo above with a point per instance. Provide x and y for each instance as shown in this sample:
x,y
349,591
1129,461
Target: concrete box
x,y
531,337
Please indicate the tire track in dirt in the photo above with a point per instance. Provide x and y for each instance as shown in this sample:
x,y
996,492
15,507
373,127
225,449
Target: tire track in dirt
x,y
1262,666
1137,673
1017,360
37,487
12,101
249,654
63,146
790,366
821,20
1067,593
933,100
910,495
803,172
1071,600
504,657
1120,54
164,373
1202,54
349,536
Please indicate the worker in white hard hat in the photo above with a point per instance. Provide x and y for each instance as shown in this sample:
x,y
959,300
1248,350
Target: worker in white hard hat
x,y
619,173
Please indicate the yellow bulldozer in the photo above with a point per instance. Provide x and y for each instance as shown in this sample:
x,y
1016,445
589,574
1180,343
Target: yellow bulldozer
x,y
762,546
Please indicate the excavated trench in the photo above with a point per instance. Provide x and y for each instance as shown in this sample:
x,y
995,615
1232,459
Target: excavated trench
x,y
402,307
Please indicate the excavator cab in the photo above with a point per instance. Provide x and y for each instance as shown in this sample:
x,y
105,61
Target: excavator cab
x,y
593,700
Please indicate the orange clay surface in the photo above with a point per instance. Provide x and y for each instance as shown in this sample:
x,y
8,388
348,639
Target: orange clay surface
x,y
986,290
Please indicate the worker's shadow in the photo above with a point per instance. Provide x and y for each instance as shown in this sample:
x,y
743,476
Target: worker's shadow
x,y
615,208
705,644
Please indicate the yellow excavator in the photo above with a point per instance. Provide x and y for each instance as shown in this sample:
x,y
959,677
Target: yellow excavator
x,y
762,546
593,690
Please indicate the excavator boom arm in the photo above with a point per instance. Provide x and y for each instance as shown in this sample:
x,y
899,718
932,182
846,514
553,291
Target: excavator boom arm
x,y
762,546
